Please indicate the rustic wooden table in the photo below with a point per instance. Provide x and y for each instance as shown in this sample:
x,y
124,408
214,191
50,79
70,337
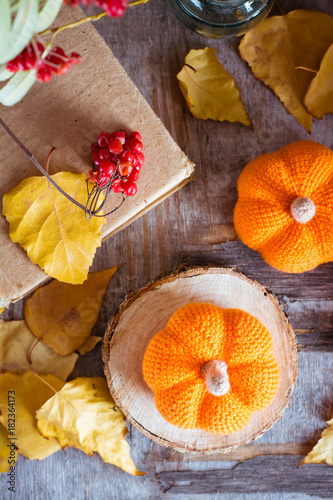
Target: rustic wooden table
x,y
195,226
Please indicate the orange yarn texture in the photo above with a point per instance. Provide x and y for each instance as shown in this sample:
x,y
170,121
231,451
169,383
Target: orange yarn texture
x,y
266,188
198,333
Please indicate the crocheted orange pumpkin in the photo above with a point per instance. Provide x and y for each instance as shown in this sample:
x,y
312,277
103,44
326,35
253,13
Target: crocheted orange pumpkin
x,y
285,206
211,368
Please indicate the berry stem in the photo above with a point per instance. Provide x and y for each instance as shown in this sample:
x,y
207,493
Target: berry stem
x,y
55,31
138,2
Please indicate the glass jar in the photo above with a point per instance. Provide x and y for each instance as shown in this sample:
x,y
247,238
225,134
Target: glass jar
x,y
218,18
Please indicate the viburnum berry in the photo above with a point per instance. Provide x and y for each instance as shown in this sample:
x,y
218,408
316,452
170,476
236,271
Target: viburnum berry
x,y
126,156
74,3
92,176
113,8
117,186
55,62
103,139
96,158
104,154
106,168
134,175
115,146
115,166
135,160
125,132
135,135
141,158
127,146
135,145
27,59
120,134
124,168
44,74
130,188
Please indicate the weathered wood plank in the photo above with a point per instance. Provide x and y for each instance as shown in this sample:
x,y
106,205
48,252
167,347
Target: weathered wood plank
x,y
269,474
151,45
315,341
312,285
246,452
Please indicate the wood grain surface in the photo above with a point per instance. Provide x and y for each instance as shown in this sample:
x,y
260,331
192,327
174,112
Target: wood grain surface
x,y
192,227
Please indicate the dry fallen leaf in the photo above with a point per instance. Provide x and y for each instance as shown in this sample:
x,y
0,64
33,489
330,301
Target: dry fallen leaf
x,y
29,393
83,415
280,44
319,97
4,451
63,315
208,89
52,230
89,344
16,344
323,451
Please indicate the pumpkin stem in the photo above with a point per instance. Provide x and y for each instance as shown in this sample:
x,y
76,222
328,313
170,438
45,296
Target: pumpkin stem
x,y
216,378
302,209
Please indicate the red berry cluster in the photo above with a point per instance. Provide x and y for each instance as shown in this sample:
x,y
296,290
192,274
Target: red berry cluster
x,y
117,160
56,62
113,8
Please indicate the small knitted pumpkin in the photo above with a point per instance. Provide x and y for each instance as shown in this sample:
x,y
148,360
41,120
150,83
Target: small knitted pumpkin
x,y
211,368
285,206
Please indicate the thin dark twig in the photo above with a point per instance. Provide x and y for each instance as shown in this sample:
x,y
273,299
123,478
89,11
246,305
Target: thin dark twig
x,y
40,168
95,201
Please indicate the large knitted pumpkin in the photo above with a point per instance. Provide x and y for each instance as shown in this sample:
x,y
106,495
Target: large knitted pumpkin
x,y
285,206
211,368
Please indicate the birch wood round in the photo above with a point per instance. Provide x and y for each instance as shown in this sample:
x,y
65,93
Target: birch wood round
x,y
147,312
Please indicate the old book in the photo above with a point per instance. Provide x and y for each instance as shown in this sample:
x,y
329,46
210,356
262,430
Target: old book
x,y
68,114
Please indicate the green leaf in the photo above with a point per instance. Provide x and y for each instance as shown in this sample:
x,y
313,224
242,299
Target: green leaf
x,y
21,31
4,73
5,25
47,14
17,87
14,6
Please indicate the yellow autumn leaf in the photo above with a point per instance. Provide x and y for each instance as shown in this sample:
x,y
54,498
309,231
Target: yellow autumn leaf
x,y
5,457
89,344
323,451
52,230
63,315
28,392
208,89
2,310
18,344
280,44
83,415
319,97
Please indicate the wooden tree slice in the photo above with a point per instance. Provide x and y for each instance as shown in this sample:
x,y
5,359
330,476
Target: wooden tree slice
x,y
147,312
